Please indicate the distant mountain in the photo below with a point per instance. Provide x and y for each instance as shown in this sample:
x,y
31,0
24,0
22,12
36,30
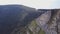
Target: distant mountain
x,y
16,16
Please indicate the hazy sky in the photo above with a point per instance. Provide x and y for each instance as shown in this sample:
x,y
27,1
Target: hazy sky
x,y
39,4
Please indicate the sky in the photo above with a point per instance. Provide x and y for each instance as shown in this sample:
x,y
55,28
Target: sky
x,y
38,4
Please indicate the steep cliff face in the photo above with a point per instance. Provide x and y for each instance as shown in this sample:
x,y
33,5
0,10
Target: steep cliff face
x,y
47,22
58,22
